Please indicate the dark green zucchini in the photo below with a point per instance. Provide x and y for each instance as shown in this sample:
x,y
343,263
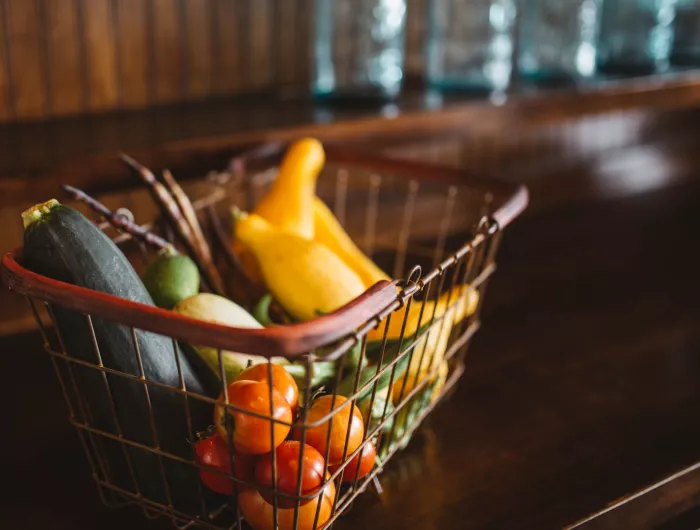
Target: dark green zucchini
x,y
59,242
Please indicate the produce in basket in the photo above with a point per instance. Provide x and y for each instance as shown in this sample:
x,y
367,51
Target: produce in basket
x,y
282,381
304,276
288,461
170,278
59,242
214,452
360,466
346,424
427,356
332,234
220,310
252,434
462,298
260,514
288,204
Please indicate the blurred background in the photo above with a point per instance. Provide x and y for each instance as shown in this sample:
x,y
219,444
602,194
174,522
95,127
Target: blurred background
x,y
582,387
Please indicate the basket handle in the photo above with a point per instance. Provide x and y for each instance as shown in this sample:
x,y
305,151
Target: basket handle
x,y
509,199
289,341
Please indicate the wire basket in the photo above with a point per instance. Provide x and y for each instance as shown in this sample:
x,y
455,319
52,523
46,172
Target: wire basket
x,y
411,218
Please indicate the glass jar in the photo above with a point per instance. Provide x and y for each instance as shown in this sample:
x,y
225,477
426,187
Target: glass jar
x,y
636,36
359,48
470,44
558,40
686,44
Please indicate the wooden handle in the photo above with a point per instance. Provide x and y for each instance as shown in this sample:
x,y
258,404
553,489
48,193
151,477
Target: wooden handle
x,y
509,199
290,341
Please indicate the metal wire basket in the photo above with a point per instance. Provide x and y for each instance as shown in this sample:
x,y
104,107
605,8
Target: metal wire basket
x,y
411,218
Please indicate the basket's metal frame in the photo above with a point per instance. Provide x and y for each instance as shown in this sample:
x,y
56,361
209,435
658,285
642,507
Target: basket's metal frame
x,y
470,266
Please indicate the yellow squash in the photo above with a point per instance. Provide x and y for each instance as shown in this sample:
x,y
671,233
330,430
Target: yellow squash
x,y
304,276
463,299
331,233
428,355
288,204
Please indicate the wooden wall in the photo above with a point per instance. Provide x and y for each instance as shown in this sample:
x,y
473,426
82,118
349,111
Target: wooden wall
x,y
64,57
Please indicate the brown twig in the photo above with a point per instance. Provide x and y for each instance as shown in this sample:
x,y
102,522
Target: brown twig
x,y
174,215
116,220
183,201
251,294
238,163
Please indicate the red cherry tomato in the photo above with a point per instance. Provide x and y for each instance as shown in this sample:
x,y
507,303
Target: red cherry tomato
x,y
364,460
282,381
259,513
287,463
348,419
214,452
252,434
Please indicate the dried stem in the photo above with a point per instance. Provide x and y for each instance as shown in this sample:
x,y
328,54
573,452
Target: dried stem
x,y
183,201
251,293
238,163
172,212
118,221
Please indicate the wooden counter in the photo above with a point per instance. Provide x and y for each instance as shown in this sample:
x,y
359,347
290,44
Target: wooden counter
x,y
581,388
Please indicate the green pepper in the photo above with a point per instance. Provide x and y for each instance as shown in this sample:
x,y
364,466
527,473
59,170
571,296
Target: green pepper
x,y
347,385
404,420
322,373
374,417
261,311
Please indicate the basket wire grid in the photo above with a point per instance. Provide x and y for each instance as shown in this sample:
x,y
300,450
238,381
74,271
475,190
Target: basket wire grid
x,y
469,267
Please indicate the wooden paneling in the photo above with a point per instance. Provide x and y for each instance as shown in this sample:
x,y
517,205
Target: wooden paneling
x,y
199,49
27,77
65,66
133,52
169,50
100,47
66,57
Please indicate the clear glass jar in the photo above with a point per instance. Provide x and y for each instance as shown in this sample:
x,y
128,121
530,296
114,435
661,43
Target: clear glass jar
x,y
470,44
359,48
558,39
686,44
636,36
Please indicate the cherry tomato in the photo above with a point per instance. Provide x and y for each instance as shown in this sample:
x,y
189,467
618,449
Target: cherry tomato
x,y
287,463
251,434
214,452
364,460
344,420
259,513
282,381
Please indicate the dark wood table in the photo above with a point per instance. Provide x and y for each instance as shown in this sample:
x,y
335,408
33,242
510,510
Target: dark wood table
x,y
582,387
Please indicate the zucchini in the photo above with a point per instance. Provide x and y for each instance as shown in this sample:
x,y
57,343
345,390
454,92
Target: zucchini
x,y
59,242
220,310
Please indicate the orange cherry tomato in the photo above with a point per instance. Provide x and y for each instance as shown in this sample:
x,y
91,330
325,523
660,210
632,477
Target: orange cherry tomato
x,y
282,381
214,452
259,513
348,419
364,460
287,458
252,434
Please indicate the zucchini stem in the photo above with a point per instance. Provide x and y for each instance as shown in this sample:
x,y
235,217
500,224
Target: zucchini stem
x,y
36,212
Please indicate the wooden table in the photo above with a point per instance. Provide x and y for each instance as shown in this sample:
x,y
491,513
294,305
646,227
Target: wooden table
x,y
582,387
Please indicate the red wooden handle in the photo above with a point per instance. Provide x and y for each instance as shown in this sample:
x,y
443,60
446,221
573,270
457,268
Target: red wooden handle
x,y
509,199
289,341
